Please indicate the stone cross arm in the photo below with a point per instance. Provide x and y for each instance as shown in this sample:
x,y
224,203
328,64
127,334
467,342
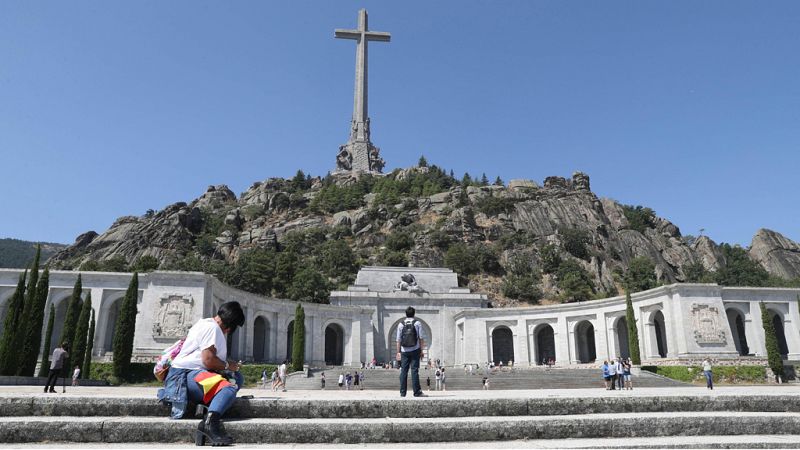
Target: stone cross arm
x,y
380,36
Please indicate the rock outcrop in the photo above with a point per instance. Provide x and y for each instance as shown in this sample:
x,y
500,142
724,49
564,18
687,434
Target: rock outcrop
x,y
516,220
777,254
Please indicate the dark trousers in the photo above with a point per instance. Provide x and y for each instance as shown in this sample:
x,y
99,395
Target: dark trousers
x,y
52,378
613,383
620,381
410,360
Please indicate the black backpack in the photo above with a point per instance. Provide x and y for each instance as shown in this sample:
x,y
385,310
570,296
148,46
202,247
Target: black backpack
x,y
408,337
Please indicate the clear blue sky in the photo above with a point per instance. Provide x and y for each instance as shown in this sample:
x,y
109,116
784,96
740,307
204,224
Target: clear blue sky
x,y
111,108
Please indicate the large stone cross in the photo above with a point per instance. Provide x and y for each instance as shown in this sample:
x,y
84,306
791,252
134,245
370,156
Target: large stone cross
x,y
359,153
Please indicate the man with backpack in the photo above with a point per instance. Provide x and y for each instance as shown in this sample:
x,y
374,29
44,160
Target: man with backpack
x,y
410,341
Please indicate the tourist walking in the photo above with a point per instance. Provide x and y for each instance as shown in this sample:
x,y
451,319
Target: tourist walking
x,y
348,381
264,379
361,379
322,380
356,379
708,374
75,374
428,382
485,383
341,381
274,379
282,376
606,377
438,376
60,354
195,374
410,341
444,380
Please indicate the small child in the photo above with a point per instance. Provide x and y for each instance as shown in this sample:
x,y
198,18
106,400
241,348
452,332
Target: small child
x,y
75,375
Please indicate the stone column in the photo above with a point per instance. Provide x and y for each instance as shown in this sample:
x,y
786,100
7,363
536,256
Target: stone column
x,y
273,337
248,333
561,336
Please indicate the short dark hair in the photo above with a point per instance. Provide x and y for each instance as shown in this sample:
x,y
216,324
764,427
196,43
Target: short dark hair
x,y
410,311
231,315
65,345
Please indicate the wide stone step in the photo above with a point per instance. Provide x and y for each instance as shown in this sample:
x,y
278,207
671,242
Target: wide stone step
x,y
449,429
29,406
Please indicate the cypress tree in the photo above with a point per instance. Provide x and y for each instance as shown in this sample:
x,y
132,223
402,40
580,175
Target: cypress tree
x,y
44,370
87,361
125,327
299,338
774,359
33,332
73,311
8,353
29,304
78,346
633,331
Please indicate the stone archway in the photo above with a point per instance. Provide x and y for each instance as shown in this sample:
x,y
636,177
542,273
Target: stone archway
x,y
502,345
289,339
623,345
736,324
660,328
545,344
334,345
584,342
780,333
261,339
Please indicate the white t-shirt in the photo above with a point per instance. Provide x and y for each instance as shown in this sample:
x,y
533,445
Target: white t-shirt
x,y
282,371
204,334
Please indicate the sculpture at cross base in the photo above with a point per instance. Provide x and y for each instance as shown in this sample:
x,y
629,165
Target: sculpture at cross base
x,y
359,154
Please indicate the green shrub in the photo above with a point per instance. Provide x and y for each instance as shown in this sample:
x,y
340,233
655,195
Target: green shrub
x,y
492,206
720,374
574,241
639,217
137,373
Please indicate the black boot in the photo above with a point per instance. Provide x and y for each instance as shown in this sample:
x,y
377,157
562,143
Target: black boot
x,y
212,431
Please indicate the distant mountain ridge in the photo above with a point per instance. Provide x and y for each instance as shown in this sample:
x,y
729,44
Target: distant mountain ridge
x,y
560,231
15,253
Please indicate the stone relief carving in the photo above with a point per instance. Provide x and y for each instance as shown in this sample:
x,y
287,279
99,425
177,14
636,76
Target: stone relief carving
x,y
344,160
173,317
408,283
706,324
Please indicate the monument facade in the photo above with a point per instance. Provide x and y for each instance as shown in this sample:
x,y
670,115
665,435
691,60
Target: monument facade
x,y
359,154
678,323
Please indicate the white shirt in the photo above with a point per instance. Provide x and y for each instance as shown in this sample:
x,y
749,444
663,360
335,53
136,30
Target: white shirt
x,y
282,370
204,334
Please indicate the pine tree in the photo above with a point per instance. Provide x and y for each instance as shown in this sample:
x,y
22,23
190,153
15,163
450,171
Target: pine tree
x,y
35,322
73,311
633,331
87,361
774,359
498,181
8,353
484,180
78,347
299,338
44,370
125,328
422,162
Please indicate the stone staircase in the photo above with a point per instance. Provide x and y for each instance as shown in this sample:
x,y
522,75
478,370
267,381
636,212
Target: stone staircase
x,y
458,380
433,419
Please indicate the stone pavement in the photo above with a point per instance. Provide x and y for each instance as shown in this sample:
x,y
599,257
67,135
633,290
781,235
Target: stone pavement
x,y
569,418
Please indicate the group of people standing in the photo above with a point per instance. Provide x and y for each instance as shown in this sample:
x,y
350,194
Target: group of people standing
x,y
278,378
347,381
617,374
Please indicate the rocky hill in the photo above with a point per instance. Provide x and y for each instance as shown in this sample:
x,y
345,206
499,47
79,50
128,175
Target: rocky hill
x,y
519,240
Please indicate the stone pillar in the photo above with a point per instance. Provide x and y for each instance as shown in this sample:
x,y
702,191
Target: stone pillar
x,y
273,337
248,333
352,351
521,350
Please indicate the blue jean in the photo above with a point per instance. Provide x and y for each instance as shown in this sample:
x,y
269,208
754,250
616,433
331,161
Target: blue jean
x,y
224,398
410,360
709,379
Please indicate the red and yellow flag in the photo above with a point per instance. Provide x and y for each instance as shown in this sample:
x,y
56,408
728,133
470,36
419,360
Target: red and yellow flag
x,y
211,383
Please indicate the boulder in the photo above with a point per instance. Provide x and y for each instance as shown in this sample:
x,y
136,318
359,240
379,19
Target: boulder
x,y
776,253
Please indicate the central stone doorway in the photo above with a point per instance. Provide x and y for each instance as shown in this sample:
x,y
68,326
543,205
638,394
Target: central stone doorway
x,y
545,345
502,345
334,345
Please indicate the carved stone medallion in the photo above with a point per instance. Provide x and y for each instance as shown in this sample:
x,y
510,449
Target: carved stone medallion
x,y
706,324
173,317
